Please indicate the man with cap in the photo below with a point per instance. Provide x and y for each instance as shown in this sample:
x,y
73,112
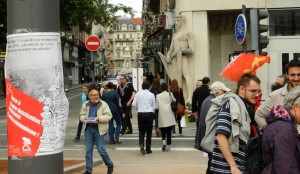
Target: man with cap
x,y
216,89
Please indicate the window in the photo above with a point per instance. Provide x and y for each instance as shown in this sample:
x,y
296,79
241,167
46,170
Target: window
x,y
284,61
124,27
118,54
284,22
130,36
118,36
130,27
118,45
296,56
124,45
124,36
138,35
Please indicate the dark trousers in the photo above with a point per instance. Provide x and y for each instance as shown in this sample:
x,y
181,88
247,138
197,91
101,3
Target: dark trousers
x,y
145,123
166,132
126,122
177,118
79,128
209,163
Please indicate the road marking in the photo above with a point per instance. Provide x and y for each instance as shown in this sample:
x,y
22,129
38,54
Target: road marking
x,y
185,149
74,96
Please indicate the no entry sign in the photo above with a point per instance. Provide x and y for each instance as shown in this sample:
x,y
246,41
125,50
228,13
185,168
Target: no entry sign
x,y
92,43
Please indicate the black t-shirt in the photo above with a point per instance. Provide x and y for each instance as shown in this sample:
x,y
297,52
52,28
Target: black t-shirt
x,y
125,92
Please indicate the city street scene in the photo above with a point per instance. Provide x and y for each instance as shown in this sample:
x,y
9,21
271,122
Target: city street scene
x,y
149,86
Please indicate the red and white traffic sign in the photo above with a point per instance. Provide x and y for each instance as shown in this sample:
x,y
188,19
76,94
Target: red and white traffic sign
x,y
92,43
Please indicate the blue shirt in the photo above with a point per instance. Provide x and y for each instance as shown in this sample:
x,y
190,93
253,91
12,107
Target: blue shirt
x,y
93,111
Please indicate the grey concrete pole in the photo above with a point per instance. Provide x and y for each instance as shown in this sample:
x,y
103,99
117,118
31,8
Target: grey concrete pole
x,y
31,16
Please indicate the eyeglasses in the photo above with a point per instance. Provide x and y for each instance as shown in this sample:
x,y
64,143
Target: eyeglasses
x,y
254,91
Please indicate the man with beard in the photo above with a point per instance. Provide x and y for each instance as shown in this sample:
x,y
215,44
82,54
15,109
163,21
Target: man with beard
x,y
292,70
233,126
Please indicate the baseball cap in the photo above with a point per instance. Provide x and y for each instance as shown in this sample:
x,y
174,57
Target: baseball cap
x,y
219,85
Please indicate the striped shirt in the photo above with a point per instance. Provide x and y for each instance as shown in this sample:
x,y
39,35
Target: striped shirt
x,y
219,163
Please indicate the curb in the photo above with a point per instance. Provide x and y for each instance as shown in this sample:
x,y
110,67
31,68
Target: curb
x,y
80,166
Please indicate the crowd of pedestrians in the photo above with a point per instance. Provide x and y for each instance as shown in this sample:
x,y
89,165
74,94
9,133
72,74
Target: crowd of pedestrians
x,y
225,120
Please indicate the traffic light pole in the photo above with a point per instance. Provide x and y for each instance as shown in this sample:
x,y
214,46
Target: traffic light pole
x,y
31,18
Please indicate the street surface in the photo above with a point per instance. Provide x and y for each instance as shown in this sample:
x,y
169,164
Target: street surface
x,y
183,158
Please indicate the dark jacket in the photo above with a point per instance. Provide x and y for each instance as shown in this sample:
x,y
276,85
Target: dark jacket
x,y
281,153
179,97
112,99
199,96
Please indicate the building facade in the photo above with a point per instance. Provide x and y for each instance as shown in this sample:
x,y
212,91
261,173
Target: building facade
x,y
126,33
212,24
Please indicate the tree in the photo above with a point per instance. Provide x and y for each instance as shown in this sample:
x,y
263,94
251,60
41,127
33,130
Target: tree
x,y
83,13
74,13
3,24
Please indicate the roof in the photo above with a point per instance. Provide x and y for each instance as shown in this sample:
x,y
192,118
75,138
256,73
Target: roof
x,y
137,21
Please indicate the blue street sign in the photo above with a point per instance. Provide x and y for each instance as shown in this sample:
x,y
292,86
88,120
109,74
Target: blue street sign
x,y
240,29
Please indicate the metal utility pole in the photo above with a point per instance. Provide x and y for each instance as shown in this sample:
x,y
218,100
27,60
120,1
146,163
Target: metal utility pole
x,y
36,121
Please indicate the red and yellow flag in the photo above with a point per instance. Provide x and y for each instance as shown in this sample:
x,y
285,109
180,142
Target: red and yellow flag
x,y
244,63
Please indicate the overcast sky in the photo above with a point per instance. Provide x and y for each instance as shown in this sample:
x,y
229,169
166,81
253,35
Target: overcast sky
x,y
135,4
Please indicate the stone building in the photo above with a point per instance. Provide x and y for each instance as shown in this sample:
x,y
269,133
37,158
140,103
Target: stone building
x,y
212,24
124,36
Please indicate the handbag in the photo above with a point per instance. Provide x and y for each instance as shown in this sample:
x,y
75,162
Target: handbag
x,y
180,108
173,104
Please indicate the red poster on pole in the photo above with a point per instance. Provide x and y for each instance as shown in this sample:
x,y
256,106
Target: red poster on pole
x,y
24,122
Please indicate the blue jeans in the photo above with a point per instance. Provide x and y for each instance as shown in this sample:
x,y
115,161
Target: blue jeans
x,y
111,130
92,135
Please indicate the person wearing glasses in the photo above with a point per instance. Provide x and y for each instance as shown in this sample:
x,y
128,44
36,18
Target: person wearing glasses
x,y
96,114
292,70
233,126
281,153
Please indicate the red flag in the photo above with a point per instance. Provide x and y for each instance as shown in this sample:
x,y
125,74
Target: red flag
x,y
244,63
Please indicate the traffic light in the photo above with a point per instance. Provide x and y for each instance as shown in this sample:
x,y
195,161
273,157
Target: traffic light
x,y
100,63
258,42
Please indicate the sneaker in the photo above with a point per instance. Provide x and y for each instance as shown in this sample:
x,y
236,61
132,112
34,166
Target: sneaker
x,y
110,169
76,139
167,149
163,148
173,135
180,135
118,142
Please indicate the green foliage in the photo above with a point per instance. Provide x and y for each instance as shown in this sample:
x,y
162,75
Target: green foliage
x,y
83,13
74,13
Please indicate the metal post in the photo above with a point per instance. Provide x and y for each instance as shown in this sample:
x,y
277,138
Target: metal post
x,y
245,42
32,17
137,72
93,64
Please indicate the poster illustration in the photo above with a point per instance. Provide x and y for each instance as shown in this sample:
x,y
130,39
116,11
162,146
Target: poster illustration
x,y
37,108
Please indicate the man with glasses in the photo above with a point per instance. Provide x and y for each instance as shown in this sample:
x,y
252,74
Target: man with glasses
x,y
292,70
126,93
233,128
96,114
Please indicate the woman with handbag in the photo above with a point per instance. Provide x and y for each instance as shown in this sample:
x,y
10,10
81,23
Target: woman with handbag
x,y
165,116
178,94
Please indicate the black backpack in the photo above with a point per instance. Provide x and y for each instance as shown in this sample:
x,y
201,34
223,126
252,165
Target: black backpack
x,y
253,158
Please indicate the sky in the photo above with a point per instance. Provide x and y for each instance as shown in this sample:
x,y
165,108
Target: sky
x,y
135,4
